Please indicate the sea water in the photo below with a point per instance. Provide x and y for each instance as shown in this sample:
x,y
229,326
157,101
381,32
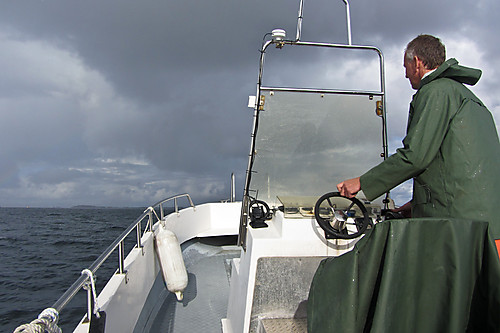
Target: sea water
x,y
44,250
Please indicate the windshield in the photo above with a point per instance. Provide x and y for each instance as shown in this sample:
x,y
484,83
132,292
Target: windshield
x,y
308,142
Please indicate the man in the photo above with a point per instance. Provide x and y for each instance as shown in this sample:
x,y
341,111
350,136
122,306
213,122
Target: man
x,y
451,149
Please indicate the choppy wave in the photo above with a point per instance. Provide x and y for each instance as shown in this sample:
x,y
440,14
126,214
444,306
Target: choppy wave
x,y
43,251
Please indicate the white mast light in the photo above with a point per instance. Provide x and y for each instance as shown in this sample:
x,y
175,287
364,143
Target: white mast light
x,y
279,34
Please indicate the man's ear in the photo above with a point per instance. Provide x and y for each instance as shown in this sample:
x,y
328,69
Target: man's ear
x,y
419,64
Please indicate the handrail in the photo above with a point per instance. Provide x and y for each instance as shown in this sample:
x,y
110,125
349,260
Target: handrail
x,y
176,207
119,243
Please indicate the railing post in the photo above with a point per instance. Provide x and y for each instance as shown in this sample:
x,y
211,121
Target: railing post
x,y
233,194
161,211
191,202
176,207
138,229
150,221
121,258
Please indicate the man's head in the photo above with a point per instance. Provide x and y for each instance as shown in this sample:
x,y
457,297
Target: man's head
x,y
422,55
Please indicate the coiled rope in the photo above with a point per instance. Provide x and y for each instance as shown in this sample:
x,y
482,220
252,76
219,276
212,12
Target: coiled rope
x,y
45,323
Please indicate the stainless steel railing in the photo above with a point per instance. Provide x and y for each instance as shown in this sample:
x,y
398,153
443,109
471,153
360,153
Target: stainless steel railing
x,y
119,243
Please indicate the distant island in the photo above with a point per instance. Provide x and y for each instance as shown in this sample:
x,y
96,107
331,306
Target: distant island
x,y
99,207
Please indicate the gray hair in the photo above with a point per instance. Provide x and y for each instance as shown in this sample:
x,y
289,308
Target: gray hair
x,y
427,48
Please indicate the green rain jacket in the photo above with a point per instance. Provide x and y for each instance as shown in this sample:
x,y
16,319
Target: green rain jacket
x,y
451,150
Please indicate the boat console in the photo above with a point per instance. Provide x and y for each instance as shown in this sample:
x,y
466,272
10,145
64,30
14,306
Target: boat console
x,y
306,138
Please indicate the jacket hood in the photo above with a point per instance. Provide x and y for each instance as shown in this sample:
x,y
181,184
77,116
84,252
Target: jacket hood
x,y
452,70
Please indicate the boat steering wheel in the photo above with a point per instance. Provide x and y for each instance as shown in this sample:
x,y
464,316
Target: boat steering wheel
x,y
340,223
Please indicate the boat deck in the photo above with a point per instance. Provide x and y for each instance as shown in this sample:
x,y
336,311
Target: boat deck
x,y
208,264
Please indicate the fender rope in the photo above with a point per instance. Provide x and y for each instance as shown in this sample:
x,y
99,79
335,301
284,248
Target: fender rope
x,y
92,290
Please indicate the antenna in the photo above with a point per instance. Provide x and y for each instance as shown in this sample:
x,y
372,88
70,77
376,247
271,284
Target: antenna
x,y
348,19
299,21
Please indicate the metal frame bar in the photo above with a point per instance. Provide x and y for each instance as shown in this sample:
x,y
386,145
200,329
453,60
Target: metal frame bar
x,y
324,91
300,18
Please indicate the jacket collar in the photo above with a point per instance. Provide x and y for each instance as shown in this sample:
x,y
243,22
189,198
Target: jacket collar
x,y
438,71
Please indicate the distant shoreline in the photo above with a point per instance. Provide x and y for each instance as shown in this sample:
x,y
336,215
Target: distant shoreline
x,y
101,207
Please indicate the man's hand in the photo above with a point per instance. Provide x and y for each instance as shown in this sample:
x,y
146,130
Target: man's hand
x,y
349,188
404,210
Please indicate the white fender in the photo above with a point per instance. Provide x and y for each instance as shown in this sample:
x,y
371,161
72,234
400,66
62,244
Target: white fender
x,y
171,261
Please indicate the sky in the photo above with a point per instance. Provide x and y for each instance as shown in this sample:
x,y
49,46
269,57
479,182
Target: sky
x,y
126,102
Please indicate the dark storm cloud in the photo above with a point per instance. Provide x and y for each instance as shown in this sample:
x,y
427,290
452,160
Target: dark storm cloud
x,y
146,47
122,102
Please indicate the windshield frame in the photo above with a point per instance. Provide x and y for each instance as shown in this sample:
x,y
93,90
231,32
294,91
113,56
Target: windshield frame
x,y
260,102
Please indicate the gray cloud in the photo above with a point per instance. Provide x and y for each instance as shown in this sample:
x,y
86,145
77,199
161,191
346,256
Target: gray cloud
x,y
124,102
